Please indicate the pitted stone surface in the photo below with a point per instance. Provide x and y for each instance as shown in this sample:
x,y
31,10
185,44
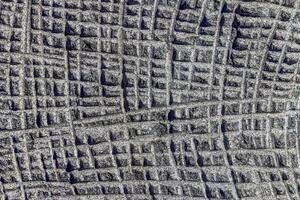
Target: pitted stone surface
x,y
149,99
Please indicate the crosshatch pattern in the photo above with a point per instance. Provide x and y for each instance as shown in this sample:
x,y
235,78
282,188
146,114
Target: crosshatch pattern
x,y
149,99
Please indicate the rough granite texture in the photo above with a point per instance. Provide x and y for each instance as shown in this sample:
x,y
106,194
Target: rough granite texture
x,y
149,99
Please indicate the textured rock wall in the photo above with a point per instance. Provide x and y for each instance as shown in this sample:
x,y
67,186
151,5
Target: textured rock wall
x,y
149,99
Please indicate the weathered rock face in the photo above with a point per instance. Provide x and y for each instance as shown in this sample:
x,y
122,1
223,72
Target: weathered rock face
x,y
149,99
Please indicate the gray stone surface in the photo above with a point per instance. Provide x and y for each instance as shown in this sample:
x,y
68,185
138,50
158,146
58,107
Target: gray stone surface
x,y
149,99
